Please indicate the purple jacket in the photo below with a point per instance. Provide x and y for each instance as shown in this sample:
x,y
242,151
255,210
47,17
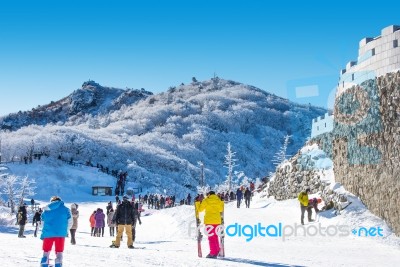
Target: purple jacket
x,y
99,218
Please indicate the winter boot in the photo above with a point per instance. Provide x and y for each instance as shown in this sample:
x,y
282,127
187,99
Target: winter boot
x,y
58,260
44,262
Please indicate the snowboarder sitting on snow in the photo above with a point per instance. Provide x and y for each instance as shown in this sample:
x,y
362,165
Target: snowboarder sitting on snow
x,y
303,198
57,220
124,217
213,208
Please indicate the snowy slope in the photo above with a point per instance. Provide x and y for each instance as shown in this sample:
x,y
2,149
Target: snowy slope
x,y
165,240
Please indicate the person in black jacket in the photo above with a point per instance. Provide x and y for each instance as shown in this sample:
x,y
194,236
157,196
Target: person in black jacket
x,y
247,197
137,218
22,218
124,217
37,220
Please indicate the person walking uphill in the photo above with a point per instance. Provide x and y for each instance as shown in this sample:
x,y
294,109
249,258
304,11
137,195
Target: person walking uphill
x,y
75,216
239,196
57,219
37,220
303,198
22,219
124,217
213,208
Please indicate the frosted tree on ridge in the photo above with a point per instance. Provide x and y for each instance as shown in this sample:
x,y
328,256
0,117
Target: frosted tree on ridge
x,y
230,164
280,156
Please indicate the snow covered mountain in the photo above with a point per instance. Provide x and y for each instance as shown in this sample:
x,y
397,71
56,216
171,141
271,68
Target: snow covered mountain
x,y
160,139
92,99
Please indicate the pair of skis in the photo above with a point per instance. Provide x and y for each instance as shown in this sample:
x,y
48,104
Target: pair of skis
x,y
198,233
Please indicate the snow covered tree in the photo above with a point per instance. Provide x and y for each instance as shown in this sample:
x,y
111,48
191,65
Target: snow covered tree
x,y
16,189
230,164
280,156
26,188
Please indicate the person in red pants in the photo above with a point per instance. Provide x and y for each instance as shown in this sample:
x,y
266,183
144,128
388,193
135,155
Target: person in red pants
x,y
213,208
57,220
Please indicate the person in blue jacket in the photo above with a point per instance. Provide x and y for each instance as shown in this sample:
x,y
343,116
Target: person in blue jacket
x,y
57,220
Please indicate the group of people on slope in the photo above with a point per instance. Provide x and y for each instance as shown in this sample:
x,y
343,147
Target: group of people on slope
x,y
307,204
57,220
243,193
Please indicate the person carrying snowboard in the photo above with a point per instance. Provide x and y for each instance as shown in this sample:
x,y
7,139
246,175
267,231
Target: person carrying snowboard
x,y
213,208
57,220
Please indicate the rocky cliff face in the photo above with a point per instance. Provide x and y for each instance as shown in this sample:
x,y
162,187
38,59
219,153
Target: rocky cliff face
x,y
296,174
366,145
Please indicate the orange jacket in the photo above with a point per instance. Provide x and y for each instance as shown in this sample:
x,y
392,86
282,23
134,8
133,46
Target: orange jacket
x,y
92,220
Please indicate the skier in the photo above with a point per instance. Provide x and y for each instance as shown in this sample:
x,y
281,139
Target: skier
x,y
57,219
75,216
124,217
303,198
213,208
22,218
36,221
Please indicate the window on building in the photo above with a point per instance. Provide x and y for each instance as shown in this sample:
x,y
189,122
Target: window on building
x,y
395,43
325,124
352,76
373,51
317,128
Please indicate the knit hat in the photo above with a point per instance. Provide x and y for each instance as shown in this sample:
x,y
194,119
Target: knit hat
x,y
55,198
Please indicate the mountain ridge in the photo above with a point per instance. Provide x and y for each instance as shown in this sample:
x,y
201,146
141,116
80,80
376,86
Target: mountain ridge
x,y
164,136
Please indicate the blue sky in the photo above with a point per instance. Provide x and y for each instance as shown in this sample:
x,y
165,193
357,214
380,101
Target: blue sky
x,y
49,48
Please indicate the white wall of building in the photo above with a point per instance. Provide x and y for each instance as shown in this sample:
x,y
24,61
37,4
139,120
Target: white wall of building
x,y
376,57
322,125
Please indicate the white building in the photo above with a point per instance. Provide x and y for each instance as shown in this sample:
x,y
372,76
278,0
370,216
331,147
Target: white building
x,y
322,125
376,57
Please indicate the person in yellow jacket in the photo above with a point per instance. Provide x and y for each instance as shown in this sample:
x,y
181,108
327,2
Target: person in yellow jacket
x,y
213,208
303,198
